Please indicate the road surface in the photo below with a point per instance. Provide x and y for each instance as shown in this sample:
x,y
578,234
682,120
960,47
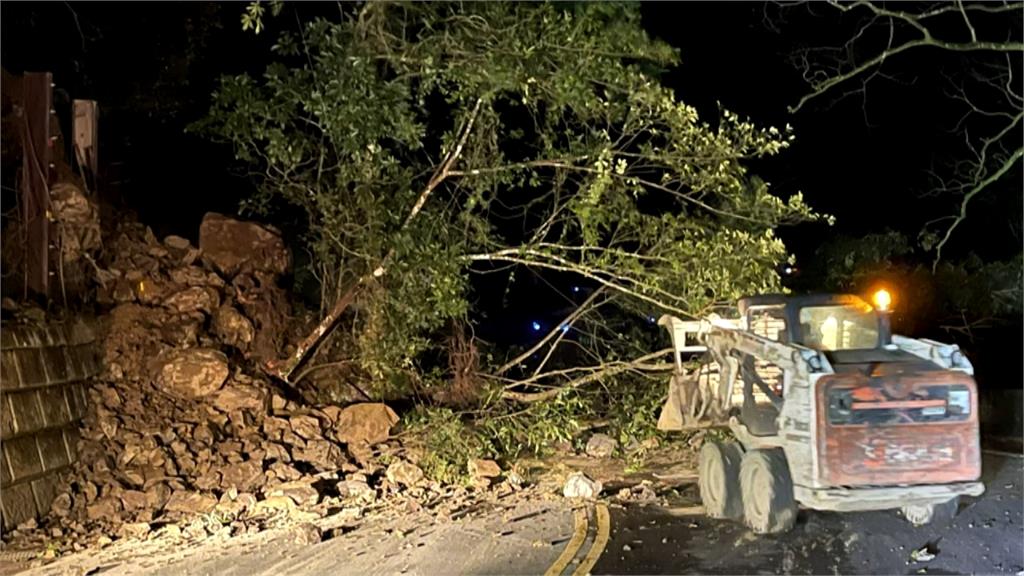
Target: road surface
x,y
986,537
533,536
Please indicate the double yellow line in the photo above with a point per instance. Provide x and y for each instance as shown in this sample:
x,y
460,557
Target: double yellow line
x,y
579,536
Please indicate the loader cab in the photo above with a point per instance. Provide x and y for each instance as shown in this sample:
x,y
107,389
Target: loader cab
x,y
824,322
834,324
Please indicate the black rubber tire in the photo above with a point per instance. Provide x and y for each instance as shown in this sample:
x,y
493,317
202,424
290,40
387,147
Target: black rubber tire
x,y
768,503
933,514
719,480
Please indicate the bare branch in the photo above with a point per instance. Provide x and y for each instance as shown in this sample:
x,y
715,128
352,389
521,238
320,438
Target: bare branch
x,y
597,373
1003,169
568,321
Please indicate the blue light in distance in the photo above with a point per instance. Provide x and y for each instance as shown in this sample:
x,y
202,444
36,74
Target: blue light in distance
x,y
565,327
575,289
535,326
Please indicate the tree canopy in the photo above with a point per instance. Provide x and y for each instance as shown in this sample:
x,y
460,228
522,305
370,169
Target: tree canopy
x,y
427,142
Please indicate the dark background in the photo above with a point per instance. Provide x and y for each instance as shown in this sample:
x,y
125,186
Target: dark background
x,y
863,158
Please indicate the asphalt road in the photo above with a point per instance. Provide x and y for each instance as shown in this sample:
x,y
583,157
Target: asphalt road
x,y
531,535
986,537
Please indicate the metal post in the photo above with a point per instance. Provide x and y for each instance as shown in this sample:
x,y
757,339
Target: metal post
x,y
37,155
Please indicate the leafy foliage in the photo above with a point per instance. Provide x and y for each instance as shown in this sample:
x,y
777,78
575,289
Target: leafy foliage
x,y
570,157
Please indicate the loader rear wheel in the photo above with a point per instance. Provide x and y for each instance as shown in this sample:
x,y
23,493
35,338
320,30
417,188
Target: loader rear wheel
x,y
768,503
719,479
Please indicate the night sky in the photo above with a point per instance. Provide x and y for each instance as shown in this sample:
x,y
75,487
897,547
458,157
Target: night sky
x,y
865,160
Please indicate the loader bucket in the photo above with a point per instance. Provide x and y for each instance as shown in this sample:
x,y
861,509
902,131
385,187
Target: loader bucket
x,y
671,418
685,403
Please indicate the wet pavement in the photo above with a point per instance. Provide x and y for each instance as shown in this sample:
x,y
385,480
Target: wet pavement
x,y
530,535
986,537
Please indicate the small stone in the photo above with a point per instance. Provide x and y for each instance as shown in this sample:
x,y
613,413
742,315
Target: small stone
x,y
305,534
273,505
177,243
190,503
357,490
404,473
361,453
245,476
61,505
322,454
196,530
626,548
134,530
601,446
233,328
302,492
194,299
134,499
306,427
277,402
236,506
239,397
484,468
578,485
106,508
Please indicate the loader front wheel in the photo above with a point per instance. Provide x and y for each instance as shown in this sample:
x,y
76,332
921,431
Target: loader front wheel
x,y
921,514
768,503
719,479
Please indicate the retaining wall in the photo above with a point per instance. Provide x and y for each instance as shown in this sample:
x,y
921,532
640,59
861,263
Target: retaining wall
x,y
43,373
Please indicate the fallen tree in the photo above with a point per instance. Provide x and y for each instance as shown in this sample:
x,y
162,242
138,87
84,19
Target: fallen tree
x,y
425,143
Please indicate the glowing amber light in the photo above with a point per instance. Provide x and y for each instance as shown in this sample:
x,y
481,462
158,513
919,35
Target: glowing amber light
x,y
882,299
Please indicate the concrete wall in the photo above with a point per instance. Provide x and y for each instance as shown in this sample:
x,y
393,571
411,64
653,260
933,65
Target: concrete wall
x,y
42,399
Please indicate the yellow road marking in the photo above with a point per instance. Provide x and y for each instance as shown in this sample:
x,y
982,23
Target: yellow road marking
x,y
604,525
578,536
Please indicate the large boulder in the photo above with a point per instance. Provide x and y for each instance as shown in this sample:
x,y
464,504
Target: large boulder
x,y
192,373
368,423
232,246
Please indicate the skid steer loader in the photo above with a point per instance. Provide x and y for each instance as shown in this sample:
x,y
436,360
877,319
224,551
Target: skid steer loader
x,y
830,411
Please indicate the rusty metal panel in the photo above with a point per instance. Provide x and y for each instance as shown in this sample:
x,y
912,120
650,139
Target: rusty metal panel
x,y
898,435
36,158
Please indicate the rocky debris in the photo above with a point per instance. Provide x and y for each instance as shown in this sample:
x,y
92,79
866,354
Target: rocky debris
x,y
79,219
365,423
183,436
642,492
601,446
233,246
578,485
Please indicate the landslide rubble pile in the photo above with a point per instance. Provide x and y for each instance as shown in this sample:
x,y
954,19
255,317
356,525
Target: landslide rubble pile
x,y
183,432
